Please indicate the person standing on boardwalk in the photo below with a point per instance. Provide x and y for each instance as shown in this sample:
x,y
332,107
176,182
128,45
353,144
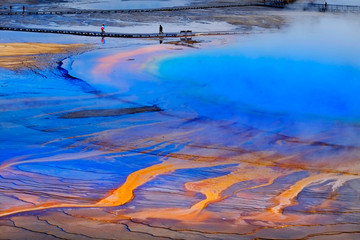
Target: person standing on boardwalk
x,y
160,29
103,29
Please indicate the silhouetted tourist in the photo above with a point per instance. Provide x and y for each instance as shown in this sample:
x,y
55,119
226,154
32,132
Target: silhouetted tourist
x,y
325,4
160,29
10,8
23,9
103,29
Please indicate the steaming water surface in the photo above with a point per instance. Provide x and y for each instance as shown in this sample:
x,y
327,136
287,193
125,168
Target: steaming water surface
x,y
340,2
265,128
291,74
256,139
270,83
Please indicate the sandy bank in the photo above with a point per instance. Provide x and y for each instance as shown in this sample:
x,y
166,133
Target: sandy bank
x,y
21,55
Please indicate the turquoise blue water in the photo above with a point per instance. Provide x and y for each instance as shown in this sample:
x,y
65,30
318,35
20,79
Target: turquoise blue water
x,y
282,104
268,84
309,71
299,81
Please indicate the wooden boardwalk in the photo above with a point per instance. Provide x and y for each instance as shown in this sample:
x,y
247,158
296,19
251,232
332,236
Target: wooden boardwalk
x,y
331,8
76,11
271,4
182,34
268,3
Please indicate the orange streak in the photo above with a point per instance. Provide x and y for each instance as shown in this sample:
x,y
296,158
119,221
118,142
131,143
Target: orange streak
x,y
43,206
125,193
212,188
171,213
287,197
60,157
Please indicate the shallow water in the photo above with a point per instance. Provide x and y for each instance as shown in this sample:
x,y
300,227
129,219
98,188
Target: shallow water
x,y
256,139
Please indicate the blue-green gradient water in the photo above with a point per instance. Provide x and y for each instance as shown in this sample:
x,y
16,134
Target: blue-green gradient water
x,y
257,139
301,81
269,83
283,74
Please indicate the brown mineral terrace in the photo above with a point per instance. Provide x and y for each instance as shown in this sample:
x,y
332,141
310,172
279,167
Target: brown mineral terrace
x,y
20,55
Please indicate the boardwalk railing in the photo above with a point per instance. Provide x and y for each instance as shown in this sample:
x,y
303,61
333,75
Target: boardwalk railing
x,y
331,8
186,34
267,3
61,12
